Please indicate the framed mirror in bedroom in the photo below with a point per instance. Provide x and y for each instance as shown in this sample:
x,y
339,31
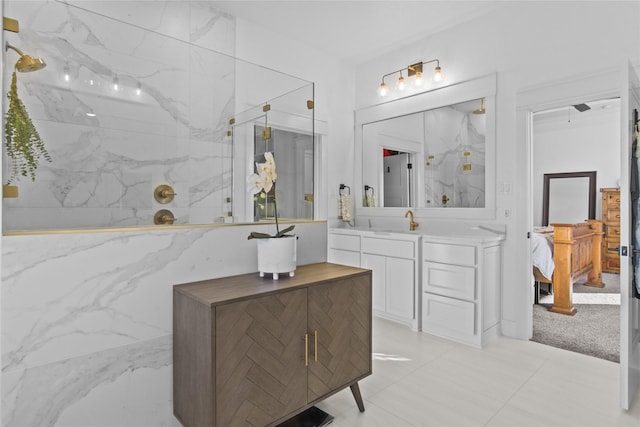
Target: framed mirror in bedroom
x,y
568,197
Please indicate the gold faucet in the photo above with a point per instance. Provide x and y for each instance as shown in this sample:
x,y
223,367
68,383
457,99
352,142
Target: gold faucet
x,y
412,224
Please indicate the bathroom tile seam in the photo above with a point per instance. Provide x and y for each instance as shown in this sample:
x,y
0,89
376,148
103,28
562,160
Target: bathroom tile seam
x,y
519,389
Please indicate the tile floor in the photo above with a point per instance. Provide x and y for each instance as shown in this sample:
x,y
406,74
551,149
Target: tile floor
x,y
422,380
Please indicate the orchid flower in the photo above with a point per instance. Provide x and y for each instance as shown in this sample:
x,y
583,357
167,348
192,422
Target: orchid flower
x,y
262,182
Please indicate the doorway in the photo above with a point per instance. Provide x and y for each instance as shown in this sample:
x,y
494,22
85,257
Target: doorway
x,y
566,142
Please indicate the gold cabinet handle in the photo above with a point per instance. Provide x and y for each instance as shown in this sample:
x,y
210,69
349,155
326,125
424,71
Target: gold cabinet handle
x,y
315,345
306,349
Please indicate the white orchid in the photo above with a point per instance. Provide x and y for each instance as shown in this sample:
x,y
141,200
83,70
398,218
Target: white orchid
x,y
259,182
262,182
268,168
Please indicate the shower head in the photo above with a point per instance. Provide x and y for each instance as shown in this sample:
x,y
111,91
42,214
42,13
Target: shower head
x,y
26,63
480,110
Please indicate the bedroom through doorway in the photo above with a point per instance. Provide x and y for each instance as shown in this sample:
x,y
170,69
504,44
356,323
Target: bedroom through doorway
x,y
577,139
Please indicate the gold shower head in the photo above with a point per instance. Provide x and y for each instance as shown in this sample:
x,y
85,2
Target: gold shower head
x,y
26,63
481,110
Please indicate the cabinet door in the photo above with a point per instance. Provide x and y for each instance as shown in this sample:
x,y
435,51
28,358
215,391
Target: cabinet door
x,y
400,287
340,321
260,370
377,264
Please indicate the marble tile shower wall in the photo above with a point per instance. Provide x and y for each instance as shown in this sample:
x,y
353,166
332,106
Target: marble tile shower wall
x,y
86,318
450,134
110,148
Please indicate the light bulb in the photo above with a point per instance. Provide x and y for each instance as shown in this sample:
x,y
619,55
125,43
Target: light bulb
x,y
383,89
401,84
116,86
418,80
139,90
437,75
66,75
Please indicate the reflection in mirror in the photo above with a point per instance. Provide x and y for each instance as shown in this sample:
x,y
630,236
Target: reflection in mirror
x,y
397,175
450,143
568,197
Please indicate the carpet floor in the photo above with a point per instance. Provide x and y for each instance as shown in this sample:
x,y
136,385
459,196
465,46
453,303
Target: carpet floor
x,y
594,330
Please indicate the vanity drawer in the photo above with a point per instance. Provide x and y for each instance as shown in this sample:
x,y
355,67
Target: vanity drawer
x,y
344,242
447,316
338,256
449,280
448,253
388,247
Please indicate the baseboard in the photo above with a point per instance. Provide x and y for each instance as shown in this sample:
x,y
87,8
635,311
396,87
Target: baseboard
x,y
510,329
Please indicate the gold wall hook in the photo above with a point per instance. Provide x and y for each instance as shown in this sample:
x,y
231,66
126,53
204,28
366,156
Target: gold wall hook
x,y
164,193
163,217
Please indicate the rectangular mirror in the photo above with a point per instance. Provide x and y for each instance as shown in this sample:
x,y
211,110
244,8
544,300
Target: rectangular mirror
x,y
443,148
568,197
433,151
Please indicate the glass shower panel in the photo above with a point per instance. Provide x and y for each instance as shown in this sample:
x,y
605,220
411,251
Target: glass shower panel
x,y
123,109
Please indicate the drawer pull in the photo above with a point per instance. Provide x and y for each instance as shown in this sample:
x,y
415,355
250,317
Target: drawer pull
x,y
306,349
618,216
315,344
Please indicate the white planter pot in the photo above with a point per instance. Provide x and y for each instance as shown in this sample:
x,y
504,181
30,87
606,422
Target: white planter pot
x,y
277,255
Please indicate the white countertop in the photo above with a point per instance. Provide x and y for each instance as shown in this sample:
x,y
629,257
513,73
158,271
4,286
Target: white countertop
x,y
433,232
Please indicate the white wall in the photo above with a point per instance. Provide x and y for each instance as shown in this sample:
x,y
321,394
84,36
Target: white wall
x,y
589,142
527,44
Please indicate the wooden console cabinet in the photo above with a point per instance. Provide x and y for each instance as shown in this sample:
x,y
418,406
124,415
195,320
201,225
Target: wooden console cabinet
x,y
251,351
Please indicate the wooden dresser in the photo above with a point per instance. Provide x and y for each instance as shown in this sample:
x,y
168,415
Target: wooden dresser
x,y
251,351
611,220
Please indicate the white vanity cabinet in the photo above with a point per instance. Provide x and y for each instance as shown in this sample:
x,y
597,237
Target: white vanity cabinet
x,y
394,260
344,248
461,284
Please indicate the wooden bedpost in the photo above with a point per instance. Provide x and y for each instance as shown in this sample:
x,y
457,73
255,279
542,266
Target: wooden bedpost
x,y
577,256
595,275
562,287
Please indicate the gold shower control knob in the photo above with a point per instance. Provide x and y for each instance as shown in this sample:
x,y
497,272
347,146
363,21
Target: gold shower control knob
x,y
163,217
164,193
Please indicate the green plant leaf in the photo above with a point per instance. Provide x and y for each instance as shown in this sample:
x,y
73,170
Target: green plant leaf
x,y
286,230
23,144
256,235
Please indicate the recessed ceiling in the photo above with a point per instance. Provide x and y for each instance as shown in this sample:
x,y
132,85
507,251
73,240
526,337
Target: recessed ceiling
x,y
356,31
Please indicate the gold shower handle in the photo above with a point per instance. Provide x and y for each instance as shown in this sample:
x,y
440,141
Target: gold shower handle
x,y
164,193
163,217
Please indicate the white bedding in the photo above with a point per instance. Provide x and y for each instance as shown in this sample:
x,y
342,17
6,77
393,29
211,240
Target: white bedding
x,y
542,253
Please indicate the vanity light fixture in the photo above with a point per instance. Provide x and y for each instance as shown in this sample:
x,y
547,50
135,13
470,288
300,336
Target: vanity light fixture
x,y
116,84
412,70
66,75
139,89
401,84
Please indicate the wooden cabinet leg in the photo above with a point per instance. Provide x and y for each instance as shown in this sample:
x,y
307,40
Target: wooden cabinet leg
x,y
355,389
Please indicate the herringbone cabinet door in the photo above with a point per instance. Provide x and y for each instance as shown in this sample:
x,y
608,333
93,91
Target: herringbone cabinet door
x,y
260,370
341,315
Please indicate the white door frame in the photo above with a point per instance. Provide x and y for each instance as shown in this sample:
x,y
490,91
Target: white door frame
x,y
605,84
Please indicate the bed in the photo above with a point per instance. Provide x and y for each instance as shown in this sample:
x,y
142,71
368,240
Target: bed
x,y
564,254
